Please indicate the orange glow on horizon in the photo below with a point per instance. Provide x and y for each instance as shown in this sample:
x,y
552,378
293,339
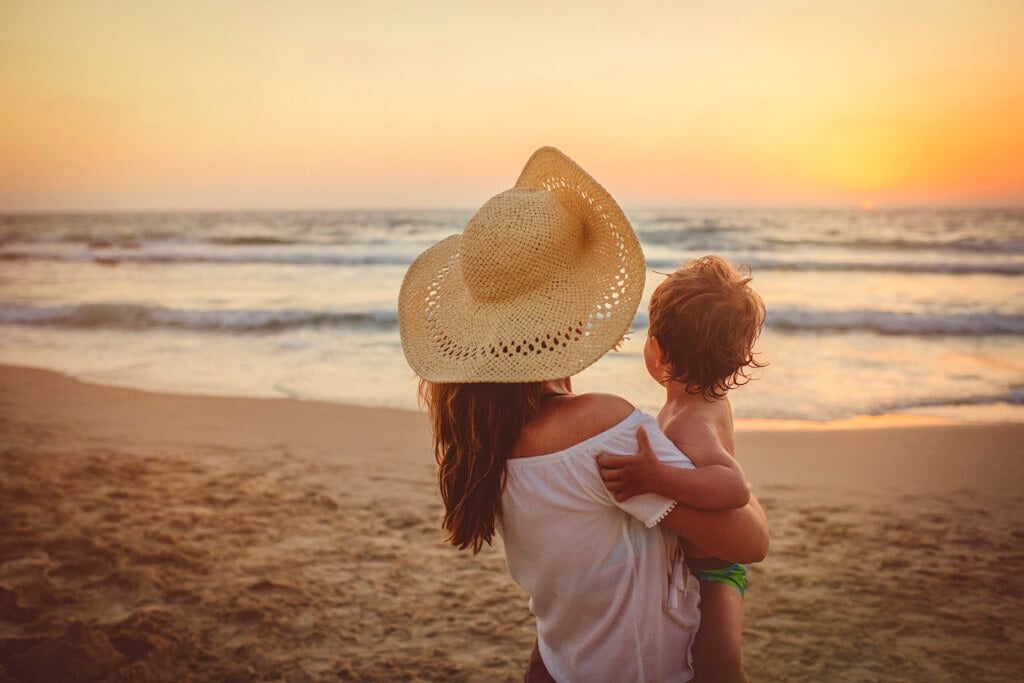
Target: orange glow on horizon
x,y
362,104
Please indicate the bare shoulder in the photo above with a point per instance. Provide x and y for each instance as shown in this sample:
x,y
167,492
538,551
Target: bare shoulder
x,y
693,429
602,407
704,434
569,420
587,415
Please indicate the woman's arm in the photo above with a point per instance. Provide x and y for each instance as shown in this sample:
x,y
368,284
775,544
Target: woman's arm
x,y
739,535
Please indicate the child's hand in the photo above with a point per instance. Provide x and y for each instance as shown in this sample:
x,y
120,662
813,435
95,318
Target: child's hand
x,y
626,476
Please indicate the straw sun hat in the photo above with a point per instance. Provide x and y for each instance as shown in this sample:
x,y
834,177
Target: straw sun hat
x,y
543,280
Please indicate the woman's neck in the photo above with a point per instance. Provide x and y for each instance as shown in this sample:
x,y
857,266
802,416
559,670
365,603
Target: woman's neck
x,y
557,386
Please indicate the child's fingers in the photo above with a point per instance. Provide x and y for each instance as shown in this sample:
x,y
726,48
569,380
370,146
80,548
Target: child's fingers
x,y
646,450
642,440
617,491
612,461
611,475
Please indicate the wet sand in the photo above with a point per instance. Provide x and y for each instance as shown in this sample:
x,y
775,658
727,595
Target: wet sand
x,y
147,536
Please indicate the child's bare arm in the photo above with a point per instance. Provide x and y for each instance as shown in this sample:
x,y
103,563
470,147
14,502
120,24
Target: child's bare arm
x,y
717,484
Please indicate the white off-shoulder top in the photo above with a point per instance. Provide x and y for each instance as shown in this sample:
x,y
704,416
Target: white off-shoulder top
x,y
613,599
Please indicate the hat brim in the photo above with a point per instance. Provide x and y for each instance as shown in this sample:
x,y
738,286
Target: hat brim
x,y
553,331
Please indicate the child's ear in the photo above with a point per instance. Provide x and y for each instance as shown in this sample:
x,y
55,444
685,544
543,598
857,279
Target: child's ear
x,y
659,353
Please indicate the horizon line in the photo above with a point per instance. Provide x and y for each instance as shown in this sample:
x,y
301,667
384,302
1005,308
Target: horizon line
x,y
852,206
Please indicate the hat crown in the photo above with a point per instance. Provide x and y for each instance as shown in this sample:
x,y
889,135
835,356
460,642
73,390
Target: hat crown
x,y
543,280
517,241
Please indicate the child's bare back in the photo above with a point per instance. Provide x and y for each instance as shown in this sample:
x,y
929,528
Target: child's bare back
x,y
703,431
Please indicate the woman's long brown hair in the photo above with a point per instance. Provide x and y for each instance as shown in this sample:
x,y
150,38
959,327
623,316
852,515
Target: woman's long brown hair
x,y
475,427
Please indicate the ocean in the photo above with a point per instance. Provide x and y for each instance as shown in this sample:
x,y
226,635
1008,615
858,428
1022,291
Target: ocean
x,y
878,312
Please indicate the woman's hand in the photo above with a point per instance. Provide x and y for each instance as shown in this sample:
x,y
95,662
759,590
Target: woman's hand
x,y
626,476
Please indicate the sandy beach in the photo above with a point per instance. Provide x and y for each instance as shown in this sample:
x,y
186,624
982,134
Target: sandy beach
x,y
152,537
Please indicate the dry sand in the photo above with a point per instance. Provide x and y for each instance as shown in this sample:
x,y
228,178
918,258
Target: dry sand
x,y
153,537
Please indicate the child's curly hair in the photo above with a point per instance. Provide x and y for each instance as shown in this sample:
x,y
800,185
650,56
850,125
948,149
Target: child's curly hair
x,y
706,319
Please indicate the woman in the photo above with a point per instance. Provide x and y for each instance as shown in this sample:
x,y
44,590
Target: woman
x,y
546,278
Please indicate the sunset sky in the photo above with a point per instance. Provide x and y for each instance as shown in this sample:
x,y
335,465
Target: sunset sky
x,y
239,105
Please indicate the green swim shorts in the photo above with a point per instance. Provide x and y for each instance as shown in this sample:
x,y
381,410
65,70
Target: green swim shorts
x,y
734,575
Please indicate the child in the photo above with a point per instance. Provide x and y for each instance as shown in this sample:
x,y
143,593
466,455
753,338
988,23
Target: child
x,y
704,320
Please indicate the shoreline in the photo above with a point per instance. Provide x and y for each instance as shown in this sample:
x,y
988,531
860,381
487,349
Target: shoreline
x,y
908,454
151,536
752,424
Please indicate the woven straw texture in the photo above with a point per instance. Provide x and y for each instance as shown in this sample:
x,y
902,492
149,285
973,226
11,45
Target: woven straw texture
x,y
544,279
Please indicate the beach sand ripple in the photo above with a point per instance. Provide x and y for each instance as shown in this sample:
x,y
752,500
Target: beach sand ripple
x,y
914,588
120,568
